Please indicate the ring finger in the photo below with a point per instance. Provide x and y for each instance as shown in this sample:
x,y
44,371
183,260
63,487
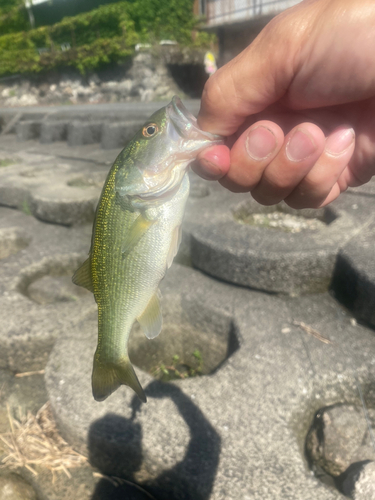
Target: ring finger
x,y
302,147
320,182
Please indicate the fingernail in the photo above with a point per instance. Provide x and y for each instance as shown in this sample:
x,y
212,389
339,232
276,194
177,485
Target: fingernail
x,y
339,141
260,143
300,146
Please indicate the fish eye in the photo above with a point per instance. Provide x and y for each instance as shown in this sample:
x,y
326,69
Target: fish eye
x,y
150,130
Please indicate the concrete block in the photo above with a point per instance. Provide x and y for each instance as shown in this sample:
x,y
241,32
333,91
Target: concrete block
x,y
116,135
84,133
53,131
236,434
28,129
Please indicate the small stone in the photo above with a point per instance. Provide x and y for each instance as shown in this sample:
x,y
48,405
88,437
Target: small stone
x,y
6,92
28,100
339,437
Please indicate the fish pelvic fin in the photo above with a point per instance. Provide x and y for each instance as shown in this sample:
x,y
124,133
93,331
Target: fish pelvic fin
x,y
151,319
108,376
82,277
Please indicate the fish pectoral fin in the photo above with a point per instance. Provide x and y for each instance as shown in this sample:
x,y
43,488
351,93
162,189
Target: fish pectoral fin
x,y
151,319
139,228
82,277
107,377
175,245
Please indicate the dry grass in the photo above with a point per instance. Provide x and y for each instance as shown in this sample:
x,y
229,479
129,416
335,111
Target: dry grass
x,y
28,374
35,441
308,329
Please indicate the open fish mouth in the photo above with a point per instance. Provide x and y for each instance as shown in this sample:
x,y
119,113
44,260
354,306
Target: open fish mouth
x,y
185,124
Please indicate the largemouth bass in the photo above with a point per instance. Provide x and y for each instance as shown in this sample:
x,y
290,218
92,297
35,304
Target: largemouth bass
x,y
136,234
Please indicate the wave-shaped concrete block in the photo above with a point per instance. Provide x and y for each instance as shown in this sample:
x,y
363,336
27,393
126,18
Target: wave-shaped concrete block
x,y
276,249
32,252
63,204
116,135
52,131
236,434
84,133
61,193
28,129
354,278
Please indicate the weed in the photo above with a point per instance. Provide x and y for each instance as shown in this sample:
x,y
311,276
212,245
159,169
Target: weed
x,y
26,208
178,369
6,162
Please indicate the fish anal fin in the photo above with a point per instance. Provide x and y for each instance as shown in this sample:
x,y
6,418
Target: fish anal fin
x,y
175,244
151,319
109,376
82,277
139,228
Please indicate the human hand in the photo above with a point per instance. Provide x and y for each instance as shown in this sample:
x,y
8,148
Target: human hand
x,y
297,106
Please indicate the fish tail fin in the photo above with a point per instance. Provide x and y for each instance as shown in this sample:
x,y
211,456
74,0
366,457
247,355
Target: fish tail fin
x,y
107,377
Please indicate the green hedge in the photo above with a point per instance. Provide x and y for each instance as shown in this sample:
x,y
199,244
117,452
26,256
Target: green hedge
x,y
13,16
103,35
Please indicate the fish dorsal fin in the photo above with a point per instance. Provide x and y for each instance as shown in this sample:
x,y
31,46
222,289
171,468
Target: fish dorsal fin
x,y
135,233
151,319
82,277
175,244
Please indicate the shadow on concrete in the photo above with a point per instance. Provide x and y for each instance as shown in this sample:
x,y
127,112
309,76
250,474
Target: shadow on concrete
x,y
115,448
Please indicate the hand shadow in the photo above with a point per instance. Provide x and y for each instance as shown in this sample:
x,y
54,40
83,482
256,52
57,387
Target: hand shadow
x,y
115,447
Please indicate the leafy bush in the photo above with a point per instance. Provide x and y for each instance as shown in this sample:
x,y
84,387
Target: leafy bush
x,y
103,35
13,16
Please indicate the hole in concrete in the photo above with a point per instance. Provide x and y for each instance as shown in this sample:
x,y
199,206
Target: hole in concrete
x,y
191,343
50,281
50,289
282,217
11,242
338,442
83,182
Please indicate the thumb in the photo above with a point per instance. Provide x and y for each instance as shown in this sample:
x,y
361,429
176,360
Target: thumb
x,y
258,77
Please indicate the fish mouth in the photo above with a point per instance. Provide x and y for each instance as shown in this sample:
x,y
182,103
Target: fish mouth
x,y
186,126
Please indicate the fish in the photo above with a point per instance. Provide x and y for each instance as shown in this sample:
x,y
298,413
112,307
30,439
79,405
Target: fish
x,y
136,234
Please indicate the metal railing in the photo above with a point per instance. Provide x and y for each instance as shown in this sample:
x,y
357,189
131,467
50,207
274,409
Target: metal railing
x,y
228,11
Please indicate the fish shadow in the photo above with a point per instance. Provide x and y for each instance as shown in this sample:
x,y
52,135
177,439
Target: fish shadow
x,y
115,449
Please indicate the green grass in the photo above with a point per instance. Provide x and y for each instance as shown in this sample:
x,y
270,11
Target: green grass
x,y
26,208
6,162
178,369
